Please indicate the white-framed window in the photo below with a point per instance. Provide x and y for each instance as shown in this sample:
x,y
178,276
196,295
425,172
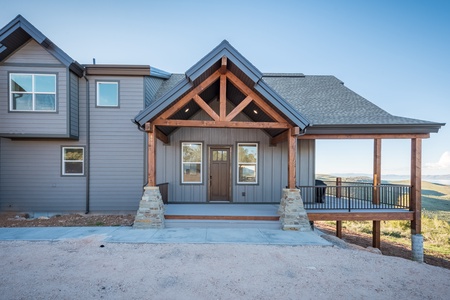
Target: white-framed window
x,y
107,93
191,162
32,92
72,161
247,163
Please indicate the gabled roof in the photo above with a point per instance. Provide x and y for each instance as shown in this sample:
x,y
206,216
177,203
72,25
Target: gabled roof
x,y
238,65
19,31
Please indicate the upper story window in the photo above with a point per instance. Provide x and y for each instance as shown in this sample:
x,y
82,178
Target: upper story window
x,y
32,92
247,160
108,93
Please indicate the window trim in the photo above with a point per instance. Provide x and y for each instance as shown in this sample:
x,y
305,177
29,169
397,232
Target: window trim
x,y
238,163
33,93
97,90
201,164
63,161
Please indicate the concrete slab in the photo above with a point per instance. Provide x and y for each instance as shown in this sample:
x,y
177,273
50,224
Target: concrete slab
x,y
235,236
179,235
167,235
131,235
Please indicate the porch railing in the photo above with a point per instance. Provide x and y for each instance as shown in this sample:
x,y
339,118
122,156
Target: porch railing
x,y
355,196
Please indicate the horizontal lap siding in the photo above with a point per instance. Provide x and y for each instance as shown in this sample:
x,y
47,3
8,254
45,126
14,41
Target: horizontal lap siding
x,y
30,178
117,149
24,61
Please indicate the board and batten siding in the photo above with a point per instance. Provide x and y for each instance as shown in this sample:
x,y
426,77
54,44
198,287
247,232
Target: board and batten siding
x,y
74,104
32,58
117,148
272,163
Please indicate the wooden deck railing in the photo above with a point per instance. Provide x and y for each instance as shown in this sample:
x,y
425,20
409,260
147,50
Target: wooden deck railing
x,y
355,196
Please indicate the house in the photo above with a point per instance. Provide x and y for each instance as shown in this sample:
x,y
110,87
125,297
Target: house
x,y
89,137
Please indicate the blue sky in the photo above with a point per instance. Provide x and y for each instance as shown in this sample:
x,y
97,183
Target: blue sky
x,y
394,53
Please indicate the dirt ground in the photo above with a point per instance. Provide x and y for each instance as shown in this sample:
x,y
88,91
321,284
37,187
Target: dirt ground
x,y
360,239
92,269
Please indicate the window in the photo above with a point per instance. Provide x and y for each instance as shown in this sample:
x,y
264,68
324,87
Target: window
x,y
191,162
73,161
247,157
32,92
108,93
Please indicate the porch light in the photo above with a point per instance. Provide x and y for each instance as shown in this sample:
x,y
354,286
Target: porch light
x,y
255,111
186,110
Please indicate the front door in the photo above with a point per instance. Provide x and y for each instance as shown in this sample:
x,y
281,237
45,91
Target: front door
x,y
219,173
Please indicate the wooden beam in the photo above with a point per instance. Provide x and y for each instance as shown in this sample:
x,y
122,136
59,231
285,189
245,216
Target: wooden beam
x,y
295,131
151,156
203,105
416,185
263,105
239,108
220,124
223,97
188,97
223,67
360,216
362,136
376,234
162,137
282,137
376,170
292,161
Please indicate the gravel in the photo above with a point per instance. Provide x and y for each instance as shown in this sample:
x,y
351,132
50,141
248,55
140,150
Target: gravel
x,y
83,269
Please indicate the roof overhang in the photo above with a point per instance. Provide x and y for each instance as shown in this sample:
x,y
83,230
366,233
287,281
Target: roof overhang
x,y
17,32
392,129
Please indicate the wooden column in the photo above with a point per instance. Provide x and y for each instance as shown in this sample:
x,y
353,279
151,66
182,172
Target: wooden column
x,y
151,154
292,158
376,170
376,234
416,185
339,229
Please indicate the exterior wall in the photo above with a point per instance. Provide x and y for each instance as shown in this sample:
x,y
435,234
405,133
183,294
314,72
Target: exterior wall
x,y
74,104
272,164
32,58
117,148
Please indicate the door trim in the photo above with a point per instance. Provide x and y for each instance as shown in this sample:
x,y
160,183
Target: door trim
x,y
230,171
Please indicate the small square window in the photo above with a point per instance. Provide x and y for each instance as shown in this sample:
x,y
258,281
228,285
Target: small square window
x,y
73,161
108,93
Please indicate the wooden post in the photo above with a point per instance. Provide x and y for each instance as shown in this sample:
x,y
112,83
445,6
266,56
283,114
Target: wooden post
x,y
376,234
339,229
151,154
416,185
376,171
292,159
338,187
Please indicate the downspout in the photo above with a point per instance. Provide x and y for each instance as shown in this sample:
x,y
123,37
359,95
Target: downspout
x,y
88,145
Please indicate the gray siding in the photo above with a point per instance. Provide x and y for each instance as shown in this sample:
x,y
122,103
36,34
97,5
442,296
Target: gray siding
x,y
117,156
33,58
74,104
30,178
32,53
272,164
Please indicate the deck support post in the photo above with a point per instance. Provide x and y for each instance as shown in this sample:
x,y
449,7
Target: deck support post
x,y
416,200
376,234
292,213
339,229
376,171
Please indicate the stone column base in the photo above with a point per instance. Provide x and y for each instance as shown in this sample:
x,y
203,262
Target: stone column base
x,y
292,213
151,210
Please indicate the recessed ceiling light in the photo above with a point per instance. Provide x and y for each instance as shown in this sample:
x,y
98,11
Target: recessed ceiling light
x,y
186,110
255,111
